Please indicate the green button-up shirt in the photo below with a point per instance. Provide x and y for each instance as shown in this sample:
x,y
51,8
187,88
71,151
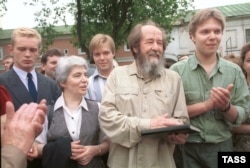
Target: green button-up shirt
x,y
197,85
128,105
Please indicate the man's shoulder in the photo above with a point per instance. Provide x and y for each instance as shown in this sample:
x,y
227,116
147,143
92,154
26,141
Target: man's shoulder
x,y
124,68
228,66
44,78
171,73
180,65
6,75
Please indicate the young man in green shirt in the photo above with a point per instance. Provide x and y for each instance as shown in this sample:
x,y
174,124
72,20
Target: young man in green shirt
x,y
216,93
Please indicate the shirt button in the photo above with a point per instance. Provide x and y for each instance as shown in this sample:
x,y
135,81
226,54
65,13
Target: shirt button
x,y
73,132
72,118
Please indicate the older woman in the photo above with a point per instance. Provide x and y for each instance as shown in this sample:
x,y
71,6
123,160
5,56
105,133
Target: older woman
x,y
242,133
74,138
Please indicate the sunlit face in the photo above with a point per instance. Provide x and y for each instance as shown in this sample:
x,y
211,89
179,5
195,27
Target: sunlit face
x,y
25,51
103,58
207,37
150,52
246,63
77,82
7,63
50,67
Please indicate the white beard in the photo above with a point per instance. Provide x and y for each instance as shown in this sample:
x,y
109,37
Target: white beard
x,y
150,67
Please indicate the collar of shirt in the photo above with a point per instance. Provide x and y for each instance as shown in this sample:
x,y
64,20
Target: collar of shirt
x,y
61,103
194,63
133,69
96,74
23,76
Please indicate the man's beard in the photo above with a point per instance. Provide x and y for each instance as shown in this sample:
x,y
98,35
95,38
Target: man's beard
x,y
150,67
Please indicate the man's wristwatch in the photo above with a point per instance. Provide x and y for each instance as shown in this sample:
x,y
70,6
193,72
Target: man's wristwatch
x,y
227,108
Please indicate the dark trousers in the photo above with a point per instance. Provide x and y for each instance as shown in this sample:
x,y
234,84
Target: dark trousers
x,y
36,163
200,155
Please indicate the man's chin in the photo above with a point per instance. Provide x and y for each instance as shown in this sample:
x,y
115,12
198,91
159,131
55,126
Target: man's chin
x,y
154,61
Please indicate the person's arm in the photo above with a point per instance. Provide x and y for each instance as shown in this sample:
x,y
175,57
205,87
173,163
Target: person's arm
x,y
102,148
219,99
23,125
12,157
242,129
21,129
200,108
36,151
37,148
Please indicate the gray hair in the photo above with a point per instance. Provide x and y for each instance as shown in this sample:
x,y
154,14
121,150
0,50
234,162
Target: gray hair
x,y
65,65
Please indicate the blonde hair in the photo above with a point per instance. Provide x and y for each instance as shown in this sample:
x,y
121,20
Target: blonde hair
x,y
25,32
100,39
202,15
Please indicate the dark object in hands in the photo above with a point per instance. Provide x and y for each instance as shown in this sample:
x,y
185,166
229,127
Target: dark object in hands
x,y
184,129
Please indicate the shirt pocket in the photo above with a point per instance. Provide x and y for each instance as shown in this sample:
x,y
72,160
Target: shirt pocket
x,y
164,96
164,102
127,99
127,93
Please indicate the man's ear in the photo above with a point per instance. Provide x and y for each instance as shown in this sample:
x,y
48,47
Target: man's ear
x,y
42,67
135,50
191,36
61,84
10,47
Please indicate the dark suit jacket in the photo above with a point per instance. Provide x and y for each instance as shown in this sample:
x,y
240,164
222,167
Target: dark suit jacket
x,y
46,88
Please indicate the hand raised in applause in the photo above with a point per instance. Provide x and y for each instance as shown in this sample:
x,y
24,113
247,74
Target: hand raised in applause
x,y
221,96
24,125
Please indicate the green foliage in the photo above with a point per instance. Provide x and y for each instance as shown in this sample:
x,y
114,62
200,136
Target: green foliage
x,y
113,17
3,7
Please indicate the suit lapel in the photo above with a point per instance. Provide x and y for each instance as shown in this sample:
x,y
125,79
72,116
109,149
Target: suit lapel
x,y
17,88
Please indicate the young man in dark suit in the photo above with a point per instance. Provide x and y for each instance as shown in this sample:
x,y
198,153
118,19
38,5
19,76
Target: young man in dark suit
x,y
23,83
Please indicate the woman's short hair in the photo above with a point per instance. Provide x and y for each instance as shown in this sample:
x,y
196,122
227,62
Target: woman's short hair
x,y
65,64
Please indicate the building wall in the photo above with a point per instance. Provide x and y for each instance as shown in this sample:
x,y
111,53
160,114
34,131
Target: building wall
x,y
235,29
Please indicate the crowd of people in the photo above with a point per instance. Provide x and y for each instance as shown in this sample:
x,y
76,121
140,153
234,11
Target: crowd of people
x,y
63,118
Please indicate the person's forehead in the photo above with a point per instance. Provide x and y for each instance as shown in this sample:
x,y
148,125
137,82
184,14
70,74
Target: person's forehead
x,y
20,40
54,57
149,30
8,59
210,22
102,47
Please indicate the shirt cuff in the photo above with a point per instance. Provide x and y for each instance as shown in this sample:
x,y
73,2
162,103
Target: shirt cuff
x,y
145,124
